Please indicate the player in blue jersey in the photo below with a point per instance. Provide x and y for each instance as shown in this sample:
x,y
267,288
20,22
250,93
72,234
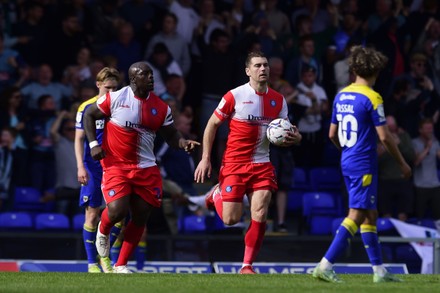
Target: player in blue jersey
x,y
90,172
358,118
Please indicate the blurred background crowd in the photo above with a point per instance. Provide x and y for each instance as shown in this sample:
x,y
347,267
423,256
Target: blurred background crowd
x,y
51,51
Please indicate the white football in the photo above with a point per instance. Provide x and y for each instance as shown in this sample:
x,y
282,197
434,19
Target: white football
x,y
276,130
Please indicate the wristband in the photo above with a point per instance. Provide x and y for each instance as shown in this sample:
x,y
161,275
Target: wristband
x,y
93,144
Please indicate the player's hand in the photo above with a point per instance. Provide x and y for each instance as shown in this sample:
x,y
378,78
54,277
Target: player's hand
x,y
190,145
97,153
203,169
83,176
292,137
406,170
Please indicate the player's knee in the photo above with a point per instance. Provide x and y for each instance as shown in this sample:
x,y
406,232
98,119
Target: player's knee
x,y
231,219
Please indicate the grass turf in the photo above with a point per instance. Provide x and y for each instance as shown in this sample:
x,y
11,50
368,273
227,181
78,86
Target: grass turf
x,y
225,283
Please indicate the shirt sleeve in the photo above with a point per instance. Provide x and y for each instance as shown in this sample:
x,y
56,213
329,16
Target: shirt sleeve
x,y
104,104
226,106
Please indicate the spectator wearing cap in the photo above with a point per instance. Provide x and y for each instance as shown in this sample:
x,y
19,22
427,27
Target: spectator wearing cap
x,y
314,98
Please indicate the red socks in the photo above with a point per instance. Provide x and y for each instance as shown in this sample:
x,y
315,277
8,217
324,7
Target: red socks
x,y
106,225
253,241
132,236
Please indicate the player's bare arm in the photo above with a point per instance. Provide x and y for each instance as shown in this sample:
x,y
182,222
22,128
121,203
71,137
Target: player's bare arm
x,y
204,168
333,135
175,139
390,145
82,174
90,116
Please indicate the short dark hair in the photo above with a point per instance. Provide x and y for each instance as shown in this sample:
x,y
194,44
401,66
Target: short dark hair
x,y
253,54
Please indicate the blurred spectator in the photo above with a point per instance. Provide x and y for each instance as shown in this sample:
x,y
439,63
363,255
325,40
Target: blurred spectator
x,y
42,159
422,100
32,26
175,90
383,11
13,68
343,77
162,63
103,23
303,27
188,18
65,41
141,15
311,95
218,55
281,158
208,22
395,192
278,19
7,138
75,73
14,115
44,85
174,42
321,18
349,32
426,181
418,19
396,104
261,29
67,186
305,58
125,48
389,40
429,44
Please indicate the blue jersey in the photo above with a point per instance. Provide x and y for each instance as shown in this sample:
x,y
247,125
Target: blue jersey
x,y
89,162
357,110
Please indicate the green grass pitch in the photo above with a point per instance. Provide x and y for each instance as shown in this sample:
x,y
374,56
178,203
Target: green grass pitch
x,y
224,283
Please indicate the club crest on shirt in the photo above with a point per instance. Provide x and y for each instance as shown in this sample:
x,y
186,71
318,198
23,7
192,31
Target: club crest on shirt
x,y
111,193
228,188
85,198
273,103
154,111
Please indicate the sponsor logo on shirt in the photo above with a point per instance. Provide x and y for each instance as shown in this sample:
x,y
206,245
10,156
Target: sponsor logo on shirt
x,y
248,102
259,118
134,125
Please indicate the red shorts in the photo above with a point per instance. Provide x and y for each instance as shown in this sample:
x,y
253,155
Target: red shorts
x,y
147,183
236,180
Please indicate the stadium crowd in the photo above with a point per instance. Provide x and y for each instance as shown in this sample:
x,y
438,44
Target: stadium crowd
x,y
51,51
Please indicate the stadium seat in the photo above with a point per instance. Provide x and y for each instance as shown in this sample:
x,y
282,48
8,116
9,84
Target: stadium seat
x,y
386,227
406,253
325,179
78,222
300,180
319,209
331,155
295,200
16,220
28,199
51,221
425,222
192,224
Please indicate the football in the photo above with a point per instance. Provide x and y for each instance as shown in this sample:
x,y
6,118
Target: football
x,y
276,129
